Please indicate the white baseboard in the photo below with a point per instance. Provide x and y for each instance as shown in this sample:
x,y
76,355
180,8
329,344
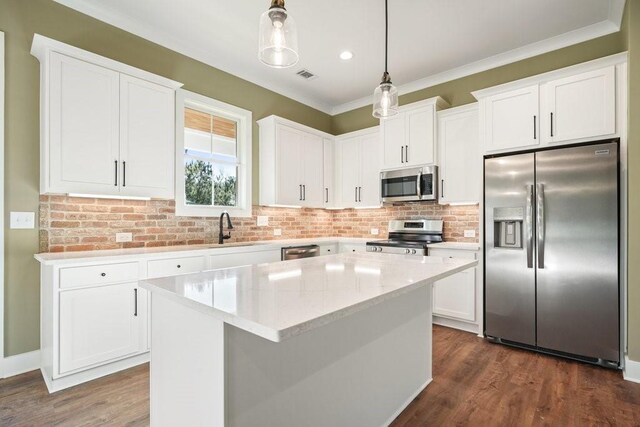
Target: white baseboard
x,y
631,370
19,364
456,324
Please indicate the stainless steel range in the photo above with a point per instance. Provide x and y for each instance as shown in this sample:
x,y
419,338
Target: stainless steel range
x,y
409,237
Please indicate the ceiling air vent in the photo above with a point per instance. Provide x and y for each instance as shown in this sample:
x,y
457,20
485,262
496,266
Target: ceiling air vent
x,y
306,74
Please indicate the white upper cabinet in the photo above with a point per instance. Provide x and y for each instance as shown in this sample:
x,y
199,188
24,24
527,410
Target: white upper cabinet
x,y
329,172
146,138
291,164
105,128
358,162
83,127
581,103
581,106
408,139
512,119
460,158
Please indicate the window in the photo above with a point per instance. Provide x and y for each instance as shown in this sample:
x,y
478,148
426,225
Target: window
x,y
213,157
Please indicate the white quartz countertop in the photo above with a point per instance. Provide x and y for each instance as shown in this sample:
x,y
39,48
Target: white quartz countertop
x,y
456,245
280,300
235,247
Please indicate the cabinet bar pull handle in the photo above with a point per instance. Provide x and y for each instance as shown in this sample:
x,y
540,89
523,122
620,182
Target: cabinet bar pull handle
x,y
442,188
552,125
359,194
356,197
304,192
300,189
327,192
135,296
124,174
116,172
406,154
401,154
535,136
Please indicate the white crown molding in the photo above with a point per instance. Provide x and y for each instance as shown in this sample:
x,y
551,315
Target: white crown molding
x,y
20,363
166,40
611,25
631,370
567,39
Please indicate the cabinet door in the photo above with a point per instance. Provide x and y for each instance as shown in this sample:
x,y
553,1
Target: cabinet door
x,y
512,119
83,128
369,191
350,171
98,325
393,131
581,106
455,296
146,138
328,172
288,166
420,147
460,174
313,179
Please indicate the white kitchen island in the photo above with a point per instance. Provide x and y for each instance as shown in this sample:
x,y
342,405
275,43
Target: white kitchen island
x,y
340,340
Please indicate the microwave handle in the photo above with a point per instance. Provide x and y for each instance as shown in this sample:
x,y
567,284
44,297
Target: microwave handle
x,y
419,184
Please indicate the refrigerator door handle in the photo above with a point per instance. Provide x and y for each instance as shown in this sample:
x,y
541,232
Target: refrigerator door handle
x,y
540,223
529,225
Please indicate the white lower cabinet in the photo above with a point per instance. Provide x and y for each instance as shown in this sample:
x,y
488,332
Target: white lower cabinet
x,y
329,249
455,297
101,324
175,266
352,247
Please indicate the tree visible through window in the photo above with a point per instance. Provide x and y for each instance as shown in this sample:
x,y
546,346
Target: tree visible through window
x,y
210,159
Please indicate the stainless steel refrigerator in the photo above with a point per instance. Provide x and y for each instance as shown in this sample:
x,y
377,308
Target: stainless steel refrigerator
x,y
551,251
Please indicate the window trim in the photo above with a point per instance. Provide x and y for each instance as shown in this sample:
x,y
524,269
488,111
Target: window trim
x,y
244,139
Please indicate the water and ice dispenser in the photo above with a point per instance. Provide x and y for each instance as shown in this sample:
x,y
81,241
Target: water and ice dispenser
x,y
508,227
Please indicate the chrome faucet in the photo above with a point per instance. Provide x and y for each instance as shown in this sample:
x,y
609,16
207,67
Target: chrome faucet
x,y
222,237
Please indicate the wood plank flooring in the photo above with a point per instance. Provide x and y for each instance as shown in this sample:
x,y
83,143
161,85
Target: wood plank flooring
x,y
476,383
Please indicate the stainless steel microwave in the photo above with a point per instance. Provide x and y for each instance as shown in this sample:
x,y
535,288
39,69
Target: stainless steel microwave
x,y
409,185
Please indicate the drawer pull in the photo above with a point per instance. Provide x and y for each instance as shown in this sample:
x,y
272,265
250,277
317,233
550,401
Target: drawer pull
x,y
103,274
179,266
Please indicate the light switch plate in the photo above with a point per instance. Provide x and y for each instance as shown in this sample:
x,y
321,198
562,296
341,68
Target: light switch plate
x,y
375,231
123,237
469,233
262,221
277,232
22,220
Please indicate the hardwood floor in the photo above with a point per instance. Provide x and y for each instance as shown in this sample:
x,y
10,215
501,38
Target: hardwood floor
x,y
475,383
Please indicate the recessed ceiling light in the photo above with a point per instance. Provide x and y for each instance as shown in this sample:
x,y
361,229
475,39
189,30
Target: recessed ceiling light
x,y
346,55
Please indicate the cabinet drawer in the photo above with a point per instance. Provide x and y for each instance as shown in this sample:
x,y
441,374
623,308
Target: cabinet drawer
x,y
175,266
328,249
73,277
452,253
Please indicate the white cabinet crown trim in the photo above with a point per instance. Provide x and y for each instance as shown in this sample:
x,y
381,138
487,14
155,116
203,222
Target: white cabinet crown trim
x,y
42,46
616,59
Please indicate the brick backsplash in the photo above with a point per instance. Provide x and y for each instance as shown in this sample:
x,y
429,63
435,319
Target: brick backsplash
x,y
85,224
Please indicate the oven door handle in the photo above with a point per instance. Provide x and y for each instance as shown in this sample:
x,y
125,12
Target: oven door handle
x,y
419,185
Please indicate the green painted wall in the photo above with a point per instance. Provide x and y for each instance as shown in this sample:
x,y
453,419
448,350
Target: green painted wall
x,y
19,20
633,18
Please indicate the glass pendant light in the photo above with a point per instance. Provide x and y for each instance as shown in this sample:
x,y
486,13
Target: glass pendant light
x,y
385,97
278,42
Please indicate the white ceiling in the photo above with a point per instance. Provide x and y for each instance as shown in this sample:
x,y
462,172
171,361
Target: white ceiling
x,y
430,41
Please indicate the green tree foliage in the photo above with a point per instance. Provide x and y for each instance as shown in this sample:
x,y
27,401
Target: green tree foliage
x,y
199,189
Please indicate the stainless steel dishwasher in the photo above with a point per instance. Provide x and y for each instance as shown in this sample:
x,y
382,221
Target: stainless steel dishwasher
x,y
296,252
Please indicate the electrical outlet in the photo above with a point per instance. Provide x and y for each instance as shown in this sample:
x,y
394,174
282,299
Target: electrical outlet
x,y
469,233
277,232
262,221
375,231
22,220
123,237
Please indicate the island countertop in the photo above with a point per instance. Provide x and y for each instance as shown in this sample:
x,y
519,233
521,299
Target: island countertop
x,y
283,299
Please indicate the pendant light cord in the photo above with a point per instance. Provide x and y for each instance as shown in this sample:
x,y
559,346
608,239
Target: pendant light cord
x,y
386,35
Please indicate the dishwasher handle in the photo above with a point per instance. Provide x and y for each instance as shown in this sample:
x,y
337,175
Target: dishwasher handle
x,y
296,252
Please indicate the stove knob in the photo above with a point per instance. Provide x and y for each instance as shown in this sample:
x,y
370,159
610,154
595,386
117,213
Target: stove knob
x,y
413,251
379,249
407,251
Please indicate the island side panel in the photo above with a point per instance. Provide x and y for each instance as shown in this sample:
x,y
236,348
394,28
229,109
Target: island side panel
x,y
187,366
360,370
